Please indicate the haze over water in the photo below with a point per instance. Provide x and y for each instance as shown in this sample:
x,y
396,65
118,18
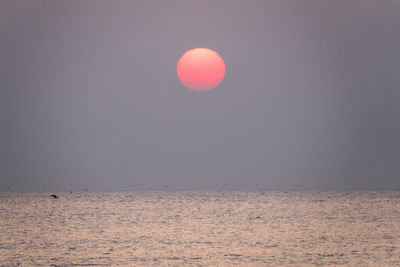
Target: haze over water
x,y
200,229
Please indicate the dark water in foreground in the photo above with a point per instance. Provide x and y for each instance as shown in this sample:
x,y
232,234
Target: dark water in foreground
x,y
200,229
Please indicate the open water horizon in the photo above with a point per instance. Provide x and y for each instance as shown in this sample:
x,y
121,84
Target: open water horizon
x,y
195,228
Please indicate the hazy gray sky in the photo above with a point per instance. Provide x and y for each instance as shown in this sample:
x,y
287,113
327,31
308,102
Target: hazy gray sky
x,y
90,97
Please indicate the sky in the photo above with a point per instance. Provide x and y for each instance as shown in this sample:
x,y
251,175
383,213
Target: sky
x,y
90,98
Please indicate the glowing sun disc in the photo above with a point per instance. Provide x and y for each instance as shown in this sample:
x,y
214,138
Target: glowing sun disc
x,y
201,69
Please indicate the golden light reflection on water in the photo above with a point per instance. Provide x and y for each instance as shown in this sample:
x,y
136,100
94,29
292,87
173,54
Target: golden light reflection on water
x,y
200,228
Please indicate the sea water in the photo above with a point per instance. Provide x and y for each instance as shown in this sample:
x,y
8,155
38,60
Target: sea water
x,y
200,229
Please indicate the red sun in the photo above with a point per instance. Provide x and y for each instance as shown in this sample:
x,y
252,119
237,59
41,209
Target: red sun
x,y
201,69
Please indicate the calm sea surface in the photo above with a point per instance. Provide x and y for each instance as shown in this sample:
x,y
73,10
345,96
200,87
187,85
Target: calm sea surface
x,y
200,229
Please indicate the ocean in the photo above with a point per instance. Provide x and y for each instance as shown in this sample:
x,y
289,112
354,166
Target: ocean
x,y
270,228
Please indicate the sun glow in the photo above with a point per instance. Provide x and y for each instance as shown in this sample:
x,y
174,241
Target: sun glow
x,y
201,69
